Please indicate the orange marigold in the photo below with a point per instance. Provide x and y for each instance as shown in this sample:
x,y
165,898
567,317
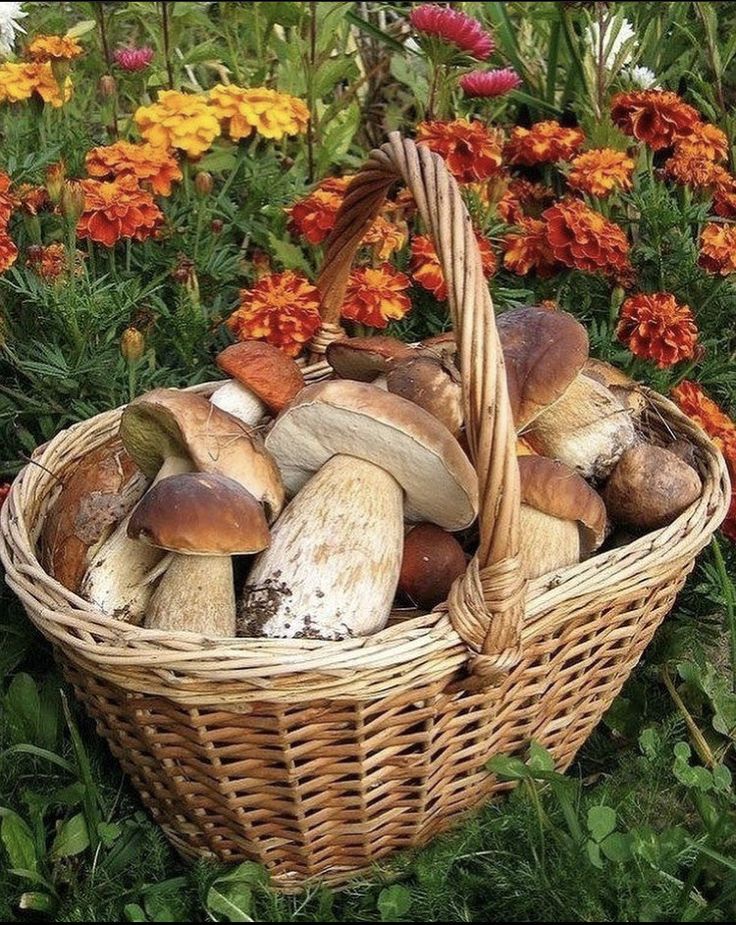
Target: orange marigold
x,y
601,171
152,166
385,237
656,327
543,143
314,216
270,113
8,201
582,238
282,308
528,249
657,117
703,140
718,248
179,120
33,199
697,172
724,199
472,151
699,407
523,198
117,209
426,269
8,251
51,262
19,81
54,48
376,295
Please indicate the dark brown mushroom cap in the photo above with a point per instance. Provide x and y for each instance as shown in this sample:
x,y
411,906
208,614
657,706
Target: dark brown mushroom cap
x,y
200,514
432,560
265,370
365,358
543,351
554,488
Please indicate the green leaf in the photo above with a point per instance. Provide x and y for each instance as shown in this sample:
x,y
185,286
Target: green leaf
x,y
109,833
601,821
393,902
374,32
18,841
81,28
508,768
616,847
134,913
288,255
594,853
37,902
234,901
72,838
540,759
650,743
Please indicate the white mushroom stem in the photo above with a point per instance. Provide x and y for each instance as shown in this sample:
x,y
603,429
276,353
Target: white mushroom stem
x,y
588,429
335,556
547,543
120,577
239,401
197,594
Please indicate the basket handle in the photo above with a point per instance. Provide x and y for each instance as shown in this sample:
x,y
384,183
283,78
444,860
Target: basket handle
x,y
486,605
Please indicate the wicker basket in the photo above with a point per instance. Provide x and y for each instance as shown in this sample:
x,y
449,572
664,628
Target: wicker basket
x,y
319,758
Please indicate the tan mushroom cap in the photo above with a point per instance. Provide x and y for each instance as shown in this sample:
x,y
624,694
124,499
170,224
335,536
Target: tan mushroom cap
x,y
342,417
432,383
200,514
443,345
364,358
263,369
555,489
544,351
167,422
625,388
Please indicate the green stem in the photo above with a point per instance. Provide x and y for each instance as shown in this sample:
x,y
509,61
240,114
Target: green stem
x,y
729,599
165,28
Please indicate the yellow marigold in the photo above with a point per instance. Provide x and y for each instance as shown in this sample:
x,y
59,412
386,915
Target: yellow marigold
x,y
703,140
19,81
376,295
718,248
472,151
385,237
656,327
152,166
601,171
179,120
528,249
8,251
697,172
118,209
270,113
543,143
282,309
54,48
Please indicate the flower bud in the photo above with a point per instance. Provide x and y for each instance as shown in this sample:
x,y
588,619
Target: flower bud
x,y
55,177
217,225
72,201
132,344
203,183
108,85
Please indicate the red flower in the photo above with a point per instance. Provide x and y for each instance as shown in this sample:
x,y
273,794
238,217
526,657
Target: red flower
x,y
656,117
453,27
656,327
8,251
528,249
543,143
490,83
583,239
426,269
130,58
117,209
376,295
718,248
472,151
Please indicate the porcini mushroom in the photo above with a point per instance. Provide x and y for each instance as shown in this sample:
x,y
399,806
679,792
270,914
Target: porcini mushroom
x,y
204,519
650,487
623,387
366,358
360,459
264,379
432,383
563,520
432,560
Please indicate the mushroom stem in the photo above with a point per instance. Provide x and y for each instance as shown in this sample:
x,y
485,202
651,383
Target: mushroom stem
x,y
333,565
546,542
197,594
243,404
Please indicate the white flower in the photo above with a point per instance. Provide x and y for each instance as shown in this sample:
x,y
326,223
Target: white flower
x,y
10,13
643,77
612,43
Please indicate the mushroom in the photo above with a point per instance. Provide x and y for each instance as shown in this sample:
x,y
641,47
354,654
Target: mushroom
x,y
366,358
650,487
443,345
168,432
432,560
204,519
563,520
360,459
432,383
623,387
263,378
562,414
96,493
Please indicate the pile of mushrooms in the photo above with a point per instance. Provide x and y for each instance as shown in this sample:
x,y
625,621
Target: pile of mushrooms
x,y
180,521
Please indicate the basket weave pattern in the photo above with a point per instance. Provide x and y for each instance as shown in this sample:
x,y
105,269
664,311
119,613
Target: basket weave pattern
x,y
319,758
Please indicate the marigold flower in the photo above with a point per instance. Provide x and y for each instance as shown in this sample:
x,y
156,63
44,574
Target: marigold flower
x,y
453,27
51,262
601,171
32,199
54,48
697,172
376,296
656,327
8,251
523,198
528,249
426,269
19,81
724,199
543,143
493,83
703,140
117,209
131,58
178,120
270,113
718,248
385,237
313,217
282,308
699,407
583,239
152,166
471,150
8,201
659,118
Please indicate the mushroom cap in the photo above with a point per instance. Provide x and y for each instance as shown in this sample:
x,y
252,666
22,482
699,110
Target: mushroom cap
x,y
433,384
432,560
443,345
625,388
364,358
555,489
342,417
264,369
168,422
200,514
543,351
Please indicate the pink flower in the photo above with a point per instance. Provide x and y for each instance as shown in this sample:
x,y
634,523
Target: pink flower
x,y
490,83
130,58
454,27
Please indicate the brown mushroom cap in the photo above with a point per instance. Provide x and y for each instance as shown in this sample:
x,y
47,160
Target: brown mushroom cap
x,y
167,422
433,384
364,358
555,489
432,560
200,514
650,487
263,369
625,388
443,345
544,351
